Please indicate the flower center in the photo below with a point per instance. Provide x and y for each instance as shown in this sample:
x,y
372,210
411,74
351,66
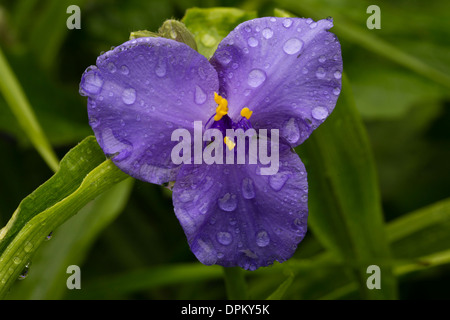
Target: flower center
x,y
223,122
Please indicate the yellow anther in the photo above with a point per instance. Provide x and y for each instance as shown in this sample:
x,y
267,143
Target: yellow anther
x,y
246,112
222,108
230,143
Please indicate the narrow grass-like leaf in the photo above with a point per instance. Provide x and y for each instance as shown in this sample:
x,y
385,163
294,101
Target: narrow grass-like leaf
x,y
18,102
147,279
70,245
344,200
235,283
29,229
281,290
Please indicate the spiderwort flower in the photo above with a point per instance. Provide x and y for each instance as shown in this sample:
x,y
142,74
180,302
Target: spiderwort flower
x,y
268,73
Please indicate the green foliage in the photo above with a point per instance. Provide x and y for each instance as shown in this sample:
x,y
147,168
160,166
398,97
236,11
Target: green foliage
x,y
377,168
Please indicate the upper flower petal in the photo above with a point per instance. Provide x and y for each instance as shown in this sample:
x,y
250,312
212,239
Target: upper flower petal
x,y
233,216
139,93
286,70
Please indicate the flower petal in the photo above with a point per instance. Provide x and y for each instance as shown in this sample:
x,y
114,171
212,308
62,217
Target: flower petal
x,y
232,216
139,93
286,70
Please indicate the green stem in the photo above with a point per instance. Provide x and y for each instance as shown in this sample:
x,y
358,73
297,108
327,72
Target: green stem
x,y
17,101
235,283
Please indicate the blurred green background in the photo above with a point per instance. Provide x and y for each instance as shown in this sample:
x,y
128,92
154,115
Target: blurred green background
x,y
136,237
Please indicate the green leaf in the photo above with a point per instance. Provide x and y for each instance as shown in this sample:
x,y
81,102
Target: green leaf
x,y
235,284
210,26
82,177
281,290
146,279
344,200
422,232
70,245
19,105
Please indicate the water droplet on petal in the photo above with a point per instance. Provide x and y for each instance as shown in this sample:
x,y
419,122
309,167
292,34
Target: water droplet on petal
x,y
291,131
320,73
111,67
287,23
92,83
267,33
313,25
322,59
200,95
160,69
129,96
256,77
336,91
252,42
248,189
338,75
292,46
223,57
224,238
228,202
124,70
278,180
262,238
319,113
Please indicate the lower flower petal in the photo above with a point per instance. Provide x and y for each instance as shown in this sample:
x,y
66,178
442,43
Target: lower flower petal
x,y
233,216
138,94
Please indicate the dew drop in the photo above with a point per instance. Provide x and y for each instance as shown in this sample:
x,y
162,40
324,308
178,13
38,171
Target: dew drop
x,y
113,147
336,91
319,113
267,33
200,95
224,238
111,67
322,59
287,23
256,77
248,189
129,96
28,246
337,75
124,70
313,25
92,83
292,46
262,239
160,69
17,260
25,271
252,42
223,57
291,131
228,202
94,122
278,180
320,73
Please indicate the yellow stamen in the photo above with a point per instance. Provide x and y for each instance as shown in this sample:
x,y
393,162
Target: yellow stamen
x,y
222,108
230,143
246,112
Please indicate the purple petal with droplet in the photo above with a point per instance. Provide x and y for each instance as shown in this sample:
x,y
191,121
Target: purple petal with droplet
x,y
138,94
287,70
233,216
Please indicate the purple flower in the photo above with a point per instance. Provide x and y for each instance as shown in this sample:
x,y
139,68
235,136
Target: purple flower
x,y
268,73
